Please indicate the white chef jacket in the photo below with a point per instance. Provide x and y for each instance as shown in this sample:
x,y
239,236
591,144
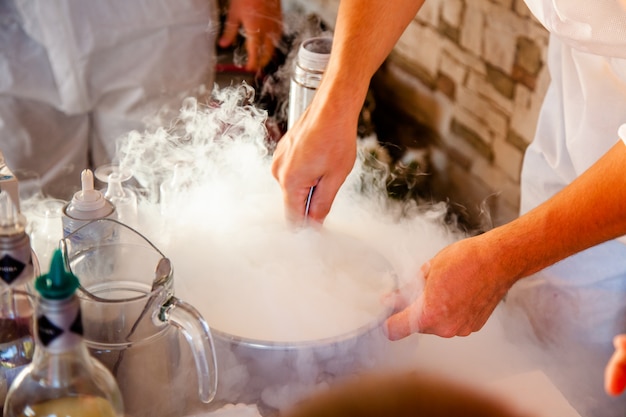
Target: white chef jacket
x,y
583,109
76,74
578,304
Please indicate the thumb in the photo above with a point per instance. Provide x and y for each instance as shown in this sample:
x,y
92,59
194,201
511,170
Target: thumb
x,y
405,322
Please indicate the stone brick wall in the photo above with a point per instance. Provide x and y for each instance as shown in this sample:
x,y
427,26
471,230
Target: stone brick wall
x,y
473,72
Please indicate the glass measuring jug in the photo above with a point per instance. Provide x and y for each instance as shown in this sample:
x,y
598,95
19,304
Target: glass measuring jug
x,y
133,321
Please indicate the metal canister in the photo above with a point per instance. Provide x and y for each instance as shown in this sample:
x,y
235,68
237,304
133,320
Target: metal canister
x,y
310,63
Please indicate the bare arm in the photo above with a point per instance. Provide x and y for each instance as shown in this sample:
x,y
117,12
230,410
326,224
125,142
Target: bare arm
x,y
466,280
320,149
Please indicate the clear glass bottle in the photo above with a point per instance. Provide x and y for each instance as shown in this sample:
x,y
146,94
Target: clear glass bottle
x,y
123,197
18,268
62,379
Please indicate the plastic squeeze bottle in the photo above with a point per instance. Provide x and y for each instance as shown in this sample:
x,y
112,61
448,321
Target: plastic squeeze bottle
x,y
62,379
86,205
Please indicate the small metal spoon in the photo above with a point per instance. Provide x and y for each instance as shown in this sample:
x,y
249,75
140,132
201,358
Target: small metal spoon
x,y
308,203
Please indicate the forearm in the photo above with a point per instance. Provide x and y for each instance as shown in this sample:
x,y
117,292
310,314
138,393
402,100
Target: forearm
x,y
365,33
591,210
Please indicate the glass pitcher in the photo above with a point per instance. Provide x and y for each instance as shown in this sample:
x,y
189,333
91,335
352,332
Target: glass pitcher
x,y
133,321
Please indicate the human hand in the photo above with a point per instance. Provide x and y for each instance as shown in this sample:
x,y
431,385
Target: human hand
x,y
462,287
318,150
262,25
615,372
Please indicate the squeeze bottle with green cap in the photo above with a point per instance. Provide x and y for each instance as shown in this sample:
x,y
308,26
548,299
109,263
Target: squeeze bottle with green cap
x,y
63,379
86,205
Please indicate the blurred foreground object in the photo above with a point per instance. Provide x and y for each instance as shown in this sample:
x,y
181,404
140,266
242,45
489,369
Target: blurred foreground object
x,y
404,394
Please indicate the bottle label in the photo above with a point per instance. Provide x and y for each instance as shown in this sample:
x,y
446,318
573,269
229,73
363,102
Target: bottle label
x,y
59,333
11,269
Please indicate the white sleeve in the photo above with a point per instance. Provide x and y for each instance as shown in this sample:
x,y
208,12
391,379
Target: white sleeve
x,y
621,132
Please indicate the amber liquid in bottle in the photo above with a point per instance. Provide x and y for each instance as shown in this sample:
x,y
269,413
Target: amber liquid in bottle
x,y
84,406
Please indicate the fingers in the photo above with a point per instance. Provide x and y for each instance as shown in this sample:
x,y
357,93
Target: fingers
x,y
295,204
261,21
406,322
323,197
619,342
615,372
253,46
296,185
319,206
418,319
406,317
231,29
260,49
433,311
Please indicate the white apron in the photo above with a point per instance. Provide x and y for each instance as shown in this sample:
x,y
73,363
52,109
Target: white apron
x,y
76,74
577,305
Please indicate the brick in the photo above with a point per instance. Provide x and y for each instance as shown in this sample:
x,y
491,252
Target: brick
x,y
526,112
429,13
492,122
484,86
521,9
463,57
516,141
446,85
497,181
501,82
452,68
403,89
459,149
528,55
451,32
487,206
500,35
506,4
528,62
472,136
419,73
421,46
472,30
452,12
508,158
459,158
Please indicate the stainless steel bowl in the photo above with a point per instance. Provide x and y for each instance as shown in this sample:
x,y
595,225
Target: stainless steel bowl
x,y
276,371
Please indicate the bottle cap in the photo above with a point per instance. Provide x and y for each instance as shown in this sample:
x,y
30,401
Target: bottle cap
x,y
314,53
88,199
58,283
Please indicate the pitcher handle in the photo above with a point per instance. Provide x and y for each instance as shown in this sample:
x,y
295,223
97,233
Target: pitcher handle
x,y
197,332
